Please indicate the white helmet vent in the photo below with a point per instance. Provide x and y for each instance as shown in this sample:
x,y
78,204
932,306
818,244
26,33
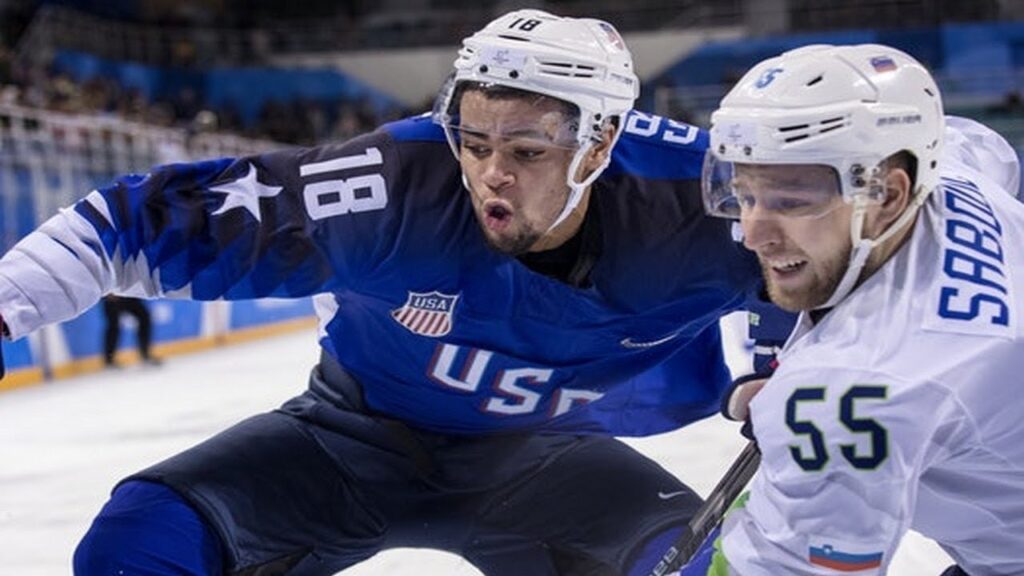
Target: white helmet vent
x,y
567,69
798,132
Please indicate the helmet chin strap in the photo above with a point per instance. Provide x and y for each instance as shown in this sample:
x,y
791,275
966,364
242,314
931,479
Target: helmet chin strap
x,y
862,247
858,254
576,189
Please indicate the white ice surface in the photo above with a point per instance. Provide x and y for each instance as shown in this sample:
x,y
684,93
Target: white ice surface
x,y
65,443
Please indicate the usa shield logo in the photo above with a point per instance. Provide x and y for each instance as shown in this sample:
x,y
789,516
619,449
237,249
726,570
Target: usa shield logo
x,y
427,313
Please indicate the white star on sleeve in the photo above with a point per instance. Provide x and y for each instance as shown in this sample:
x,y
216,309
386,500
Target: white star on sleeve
x,y
245,192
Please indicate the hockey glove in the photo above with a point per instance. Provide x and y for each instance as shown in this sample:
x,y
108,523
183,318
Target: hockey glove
x,y
736,402
4,333
769,327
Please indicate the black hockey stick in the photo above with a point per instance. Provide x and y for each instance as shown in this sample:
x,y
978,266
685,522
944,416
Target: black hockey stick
x,y
710,514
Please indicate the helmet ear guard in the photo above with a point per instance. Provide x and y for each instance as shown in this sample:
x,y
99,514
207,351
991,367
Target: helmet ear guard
x,y
579,61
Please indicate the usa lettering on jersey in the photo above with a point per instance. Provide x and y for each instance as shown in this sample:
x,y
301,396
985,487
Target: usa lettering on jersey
x,y
508,390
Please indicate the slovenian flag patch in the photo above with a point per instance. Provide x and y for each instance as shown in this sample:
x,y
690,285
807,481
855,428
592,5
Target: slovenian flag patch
x,y
842,558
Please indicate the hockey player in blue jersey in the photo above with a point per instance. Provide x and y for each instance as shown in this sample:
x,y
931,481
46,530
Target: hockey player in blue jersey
x,y
489,323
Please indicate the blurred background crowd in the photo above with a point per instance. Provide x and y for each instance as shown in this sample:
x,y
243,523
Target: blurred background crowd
x,y
92,88
149,61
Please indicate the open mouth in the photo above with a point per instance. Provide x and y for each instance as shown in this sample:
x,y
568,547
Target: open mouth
x,y
497,215
786,267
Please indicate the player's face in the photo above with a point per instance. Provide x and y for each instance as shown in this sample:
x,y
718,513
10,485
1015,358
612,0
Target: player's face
x,y
515,154
794,218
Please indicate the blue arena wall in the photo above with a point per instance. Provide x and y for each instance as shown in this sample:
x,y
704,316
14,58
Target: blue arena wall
x,y
946,50
979,67
244,90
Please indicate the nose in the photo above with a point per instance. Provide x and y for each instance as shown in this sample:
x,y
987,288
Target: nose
x,y
498,172
759,229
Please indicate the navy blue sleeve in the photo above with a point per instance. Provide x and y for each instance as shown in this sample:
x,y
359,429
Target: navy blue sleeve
x,y
287,224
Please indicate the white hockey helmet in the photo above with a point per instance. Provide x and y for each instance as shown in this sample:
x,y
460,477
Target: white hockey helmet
x,y
845,107
581,61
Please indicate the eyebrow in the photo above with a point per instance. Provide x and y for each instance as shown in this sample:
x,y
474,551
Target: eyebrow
x,y
775,180
524,133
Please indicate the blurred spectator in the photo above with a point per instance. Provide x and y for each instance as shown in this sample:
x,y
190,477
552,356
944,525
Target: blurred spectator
x,y
113,308
1012,105
6,65
301,121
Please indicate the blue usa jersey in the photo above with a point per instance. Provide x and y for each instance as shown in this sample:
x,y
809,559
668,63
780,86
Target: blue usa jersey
x,y
442,332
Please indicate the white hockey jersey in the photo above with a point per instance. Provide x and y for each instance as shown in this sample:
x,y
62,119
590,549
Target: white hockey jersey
x,y
900,409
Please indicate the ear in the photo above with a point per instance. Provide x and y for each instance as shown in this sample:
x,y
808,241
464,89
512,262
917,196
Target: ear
x,y
896,200
598,152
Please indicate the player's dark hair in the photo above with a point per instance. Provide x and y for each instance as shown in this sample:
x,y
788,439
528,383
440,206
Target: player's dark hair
x,y
501,92
906,161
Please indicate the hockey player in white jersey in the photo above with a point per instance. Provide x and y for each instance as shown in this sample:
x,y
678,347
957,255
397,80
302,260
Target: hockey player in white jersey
x,y
896,234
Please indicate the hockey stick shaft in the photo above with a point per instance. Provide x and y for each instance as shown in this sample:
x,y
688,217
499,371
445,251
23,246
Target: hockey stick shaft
x,y
710,514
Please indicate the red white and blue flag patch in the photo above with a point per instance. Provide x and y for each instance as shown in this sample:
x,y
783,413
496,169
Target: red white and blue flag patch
x,y
613,35
883,64
830,557
427,313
